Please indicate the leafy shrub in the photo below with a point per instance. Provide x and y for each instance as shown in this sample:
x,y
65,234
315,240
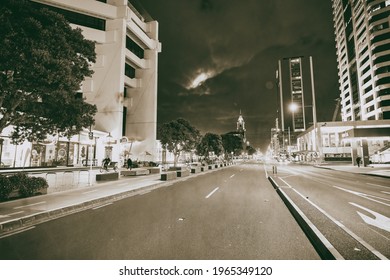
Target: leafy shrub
x,y
32,186
26,186
19,179
5,187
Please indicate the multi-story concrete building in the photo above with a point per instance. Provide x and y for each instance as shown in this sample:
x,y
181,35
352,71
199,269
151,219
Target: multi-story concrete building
x,y
363,54
362,37
123,86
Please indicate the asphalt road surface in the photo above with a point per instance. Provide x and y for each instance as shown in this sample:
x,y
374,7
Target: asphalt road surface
x,y
230,213
351,210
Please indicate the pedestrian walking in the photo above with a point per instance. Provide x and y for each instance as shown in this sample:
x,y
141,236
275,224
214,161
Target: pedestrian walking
x,y
129,163
358,159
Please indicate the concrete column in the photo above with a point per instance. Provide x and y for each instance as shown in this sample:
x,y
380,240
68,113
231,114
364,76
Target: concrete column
x,y
366,156
354,153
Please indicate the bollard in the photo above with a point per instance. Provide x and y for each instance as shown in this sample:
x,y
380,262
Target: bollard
x,y
274,169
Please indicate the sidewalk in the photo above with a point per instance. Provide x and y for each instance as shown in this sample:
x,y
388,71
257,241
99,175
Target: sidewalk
x,y
380,170
64,199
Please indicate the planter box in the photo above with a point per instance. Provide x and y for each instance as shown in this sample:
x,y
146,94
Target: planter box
x,y
107,176
153,170
135,172
183,173
196,169
170,175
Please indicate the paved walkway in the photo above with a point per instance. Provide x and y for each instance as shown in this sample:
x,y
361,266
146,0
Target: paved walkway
x,y
381,170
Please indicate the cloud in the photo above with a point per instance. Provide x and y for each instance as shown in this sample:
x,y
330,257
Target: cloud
x,y
238,45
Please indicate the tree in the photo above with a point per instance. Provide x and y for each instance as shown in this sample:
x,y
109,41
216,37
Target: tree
x,y
210,143
178,136
250,150
232,143
42,64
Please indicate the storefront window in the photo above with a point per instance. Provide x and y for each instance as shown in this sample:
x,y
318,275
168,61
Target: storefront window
x,y
38,155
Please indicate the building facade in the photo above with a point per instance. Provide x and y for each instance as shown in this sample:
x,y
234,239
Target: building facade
x,y
362,37
345,142
123,87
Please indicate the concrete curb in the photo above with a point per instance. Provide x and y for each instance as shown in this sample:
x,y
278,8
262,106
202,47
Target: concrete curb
x,y
320,243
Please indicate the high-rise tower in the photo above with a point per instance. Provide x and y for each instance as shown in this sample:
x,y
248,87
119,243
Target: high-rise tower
x,y
363,55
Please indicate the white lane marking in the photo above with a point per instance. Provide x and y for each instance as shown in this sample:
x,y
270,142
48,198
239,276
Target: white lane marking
x,y
380,221
232,176
380,234
385,192
342,226
28,205
89,192
19,231
366,196
101,206
375,185
210,194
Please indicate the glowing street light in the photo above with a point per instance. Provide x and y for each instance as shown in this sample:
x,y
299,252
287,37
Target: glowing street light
x,y
293,107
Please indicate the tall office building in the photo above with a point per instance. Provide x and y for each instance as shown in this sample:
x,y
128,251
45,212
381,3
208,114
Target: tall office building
x,y
123,87
363,54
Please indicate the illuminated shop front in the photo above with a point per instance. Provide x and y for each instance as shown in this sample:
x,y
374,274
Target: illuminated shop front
x,y
79,150
345,141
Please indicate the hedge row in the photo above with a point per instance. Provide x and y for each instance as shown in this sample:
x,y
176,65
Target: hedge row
x,y
25,185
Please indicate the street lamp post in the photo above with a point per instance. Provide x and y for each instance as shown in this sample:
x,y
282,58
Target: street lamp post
x,y
313,93
90,136
1,149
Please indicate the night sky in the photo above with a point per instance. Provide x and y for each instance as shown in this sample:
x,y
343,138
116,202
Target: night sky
x,y
220,56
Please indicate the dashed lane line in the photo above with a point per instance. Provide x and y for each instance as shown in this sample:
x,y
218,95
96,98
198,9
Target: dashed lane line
x,y
210,194
375,185
364,195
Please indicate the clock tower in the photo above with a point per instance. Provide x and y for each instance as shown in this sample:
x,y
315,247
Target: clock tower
x,y
241,127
